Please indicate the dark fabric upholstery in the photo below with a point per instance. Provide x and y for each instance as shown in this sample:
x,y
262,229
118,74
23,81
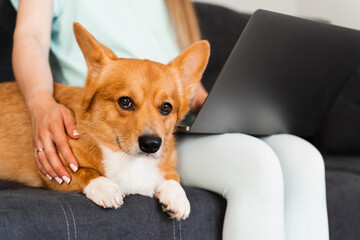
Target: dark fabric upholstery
x,y
222,28
340,131
343,163
7,24
343,194
34,213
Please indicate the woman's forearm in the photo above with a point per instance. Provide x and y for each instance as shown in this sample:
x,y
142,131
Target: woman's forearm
x,y
31,68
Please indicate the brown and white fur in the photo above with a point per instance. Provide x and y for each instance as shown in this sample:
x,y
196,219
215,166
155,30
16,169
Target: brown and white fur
x,y
111,162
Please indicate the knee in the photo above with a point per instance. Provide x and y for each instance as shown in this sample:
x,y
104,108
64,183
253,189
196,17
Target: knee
x,y
230,164
255,169
248,152
248,163
295,151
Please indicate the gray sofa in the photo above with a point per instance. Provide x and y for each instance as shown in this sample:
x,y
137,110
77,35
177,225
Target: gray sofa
x,y
33,213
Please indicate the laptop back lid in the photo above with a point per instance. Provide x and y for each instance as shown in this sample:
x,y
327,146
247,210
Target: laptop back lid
x,y
282,76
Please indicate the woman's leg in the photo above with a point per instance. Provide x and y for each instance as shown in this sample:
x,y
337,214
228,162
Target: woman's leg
x,y
304,185
246,172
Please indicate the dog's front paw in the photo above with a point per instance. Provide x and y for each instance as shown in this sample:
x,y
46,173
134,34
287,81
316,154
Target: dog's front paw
x,y
104,193
173,198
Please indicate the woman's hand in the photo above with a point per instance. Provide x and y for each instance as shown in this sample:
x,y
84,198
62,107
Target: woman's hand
x,y
50,120
199,99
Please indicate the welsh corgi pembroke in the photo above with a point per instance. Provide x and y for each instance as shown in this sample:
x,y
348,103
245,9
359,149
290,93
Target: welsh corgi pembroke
x,y
126,116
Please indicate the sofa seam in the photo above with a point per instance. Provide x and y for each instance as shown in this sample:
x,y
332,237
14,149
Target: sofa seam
x,y
66,219
174,229
73,217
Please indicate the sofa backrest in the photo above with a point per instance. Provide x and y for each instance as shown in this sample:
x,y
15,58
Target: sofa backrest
x,y
7,24
222,28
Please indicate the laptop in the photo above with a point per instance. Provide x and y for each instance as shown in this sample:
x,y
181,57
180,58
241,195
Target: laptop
x,y
282,76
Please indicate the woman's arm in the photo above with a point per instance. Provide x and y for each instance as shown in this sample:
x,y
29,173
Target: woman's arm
x,y
33,75
31,48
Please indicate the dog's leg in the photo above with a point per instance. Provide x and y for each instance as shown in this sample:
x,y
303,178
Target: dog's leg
x,y
172,196
99,189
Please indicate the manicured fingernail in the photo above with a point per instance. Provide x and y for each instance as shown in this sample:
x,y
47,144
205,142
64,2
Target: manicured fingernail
x,y
73,167
76,133
66,179
59,180
48,176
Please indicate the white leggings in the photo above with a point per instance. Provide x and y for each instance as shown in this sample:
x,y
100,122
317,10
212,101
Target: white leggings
x,y
274,187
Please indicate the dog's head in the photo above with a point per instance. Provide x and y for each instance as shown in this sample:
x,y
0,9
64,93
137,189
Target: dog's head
x,y
134,105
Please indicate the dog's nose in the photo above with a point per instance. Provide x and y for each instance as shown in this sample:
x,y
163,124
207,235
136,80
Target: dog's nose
x,y
149,143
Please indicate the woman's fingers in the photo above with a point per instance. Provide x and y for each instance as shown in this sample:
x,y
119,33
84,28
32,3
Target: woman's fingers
x,y
40,166
51,161
70,124
50,121
43,162
62,143
49,171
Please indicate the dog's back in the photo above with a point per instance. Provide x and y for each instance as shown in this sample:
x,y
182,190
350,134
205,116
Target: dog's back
x,y
16,152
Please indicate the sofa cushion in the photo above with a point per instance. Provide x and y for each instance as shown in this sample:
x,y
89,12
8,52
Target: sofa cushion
x,y
343,163
343,194
35,213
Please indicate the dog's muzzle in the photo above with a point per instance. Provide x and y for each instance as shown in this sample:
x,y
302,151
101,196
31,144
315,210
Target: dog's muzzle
x,y
149,143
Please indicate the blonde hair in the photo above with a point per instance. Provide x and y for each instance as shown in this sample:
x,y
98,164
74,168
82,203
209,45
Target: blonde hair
x,y
183,17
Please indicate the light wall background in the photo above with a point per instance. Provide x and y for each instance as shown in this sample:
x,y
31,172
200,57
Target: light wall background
x,y
339,12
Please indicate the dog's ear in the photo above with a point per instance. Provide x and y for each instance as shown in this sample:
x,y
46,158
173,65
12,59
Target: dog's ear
x,y
191,65
96,54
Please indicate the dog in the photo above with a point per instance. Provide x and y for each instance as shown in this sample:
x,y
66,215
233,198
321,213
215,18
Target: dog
x,y
126,116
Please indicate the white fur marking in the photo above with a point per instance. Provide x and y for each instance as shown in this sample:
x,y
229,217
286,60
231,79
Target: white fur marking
x,y
104,192
133,175
172,195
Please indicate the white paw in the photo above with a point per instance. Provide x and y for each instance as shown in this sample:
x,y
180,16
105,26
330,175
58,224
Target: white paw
x,y
173,198
104,193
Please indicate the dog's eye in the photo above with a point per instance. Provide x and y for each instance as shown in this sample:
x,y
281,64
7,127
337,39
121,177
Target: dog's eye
x,y
126,103
165,108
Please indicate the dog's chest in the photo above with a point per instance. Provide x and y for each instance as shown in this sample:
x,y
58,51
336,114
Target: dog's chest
x,y
134,175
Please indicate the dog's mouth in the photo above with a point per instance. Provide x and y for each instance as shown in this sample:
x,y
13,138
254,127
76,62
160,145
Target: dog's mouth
x,y
138,153
149,155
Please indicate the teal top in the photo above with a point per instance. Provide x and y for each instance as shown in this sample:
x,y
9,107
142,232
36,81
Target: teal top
x,y
131,28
